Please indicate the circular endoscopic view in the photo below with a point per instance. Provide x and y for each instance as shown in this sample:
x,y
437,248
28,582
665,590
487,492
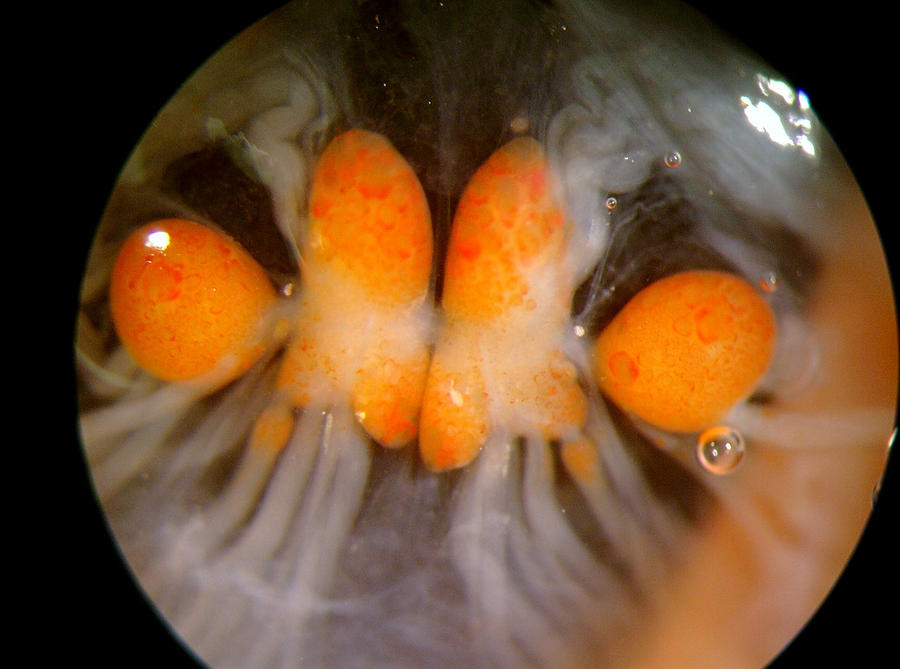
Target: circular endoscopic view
x,y
485,334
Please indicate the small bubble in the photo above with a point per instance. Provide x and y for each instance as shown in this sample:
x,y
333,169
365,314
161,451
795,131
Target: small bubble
x,y
519,124
769,282
720,449
611,203
672,159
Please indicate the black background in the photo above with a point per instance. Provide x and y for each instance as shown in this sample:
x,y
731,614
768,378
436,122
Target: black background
x,y
99,77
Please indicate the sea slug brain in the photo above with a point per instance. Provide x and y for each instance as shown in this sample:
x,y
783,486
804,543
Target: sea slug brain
x,y
485,334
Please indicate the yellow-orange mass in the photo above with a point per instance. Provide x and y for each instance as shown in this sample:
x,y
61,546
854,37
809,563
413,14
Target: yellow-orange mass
x,y
686,349
506,282
361,331
185,298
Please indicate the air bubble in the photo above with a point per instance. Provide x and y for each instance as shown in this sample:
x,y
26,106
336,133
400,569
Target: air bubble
x,y
672,159
519,124
611,203
769,282
720,449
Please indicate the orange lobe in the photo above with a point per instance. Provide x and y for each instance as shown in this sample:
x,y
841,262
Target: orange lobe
x,y
685,349
183,297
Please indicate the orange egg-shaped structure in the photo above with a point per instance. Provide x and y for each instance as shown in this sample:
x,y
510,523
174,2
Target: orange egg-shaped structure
x,y
185,297
686,349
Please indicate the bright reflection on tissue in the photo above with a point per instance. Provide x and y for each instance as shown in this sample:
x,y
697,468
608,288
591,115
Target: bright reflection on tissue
x,y
767,121
775,86
158,240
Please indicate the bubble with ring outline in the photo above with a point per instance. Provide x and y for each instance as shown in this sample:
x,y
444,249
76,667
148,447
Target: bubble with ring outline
x,y
672,159
720,449
769,282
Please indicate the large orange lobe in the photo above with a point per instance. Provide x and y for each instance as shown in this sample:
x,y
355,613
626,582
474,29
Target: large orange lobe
x,y
184,297
493,363
367,263
685,349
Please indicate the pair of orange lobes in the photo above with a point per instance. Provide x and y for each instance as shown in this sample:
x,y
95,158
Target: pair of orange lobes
x,y
188,301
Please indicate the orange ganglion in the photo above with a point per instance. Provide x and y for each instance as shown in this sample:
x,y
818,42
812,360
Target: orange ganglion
x,y
361,331
498,363
188,301
685,349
